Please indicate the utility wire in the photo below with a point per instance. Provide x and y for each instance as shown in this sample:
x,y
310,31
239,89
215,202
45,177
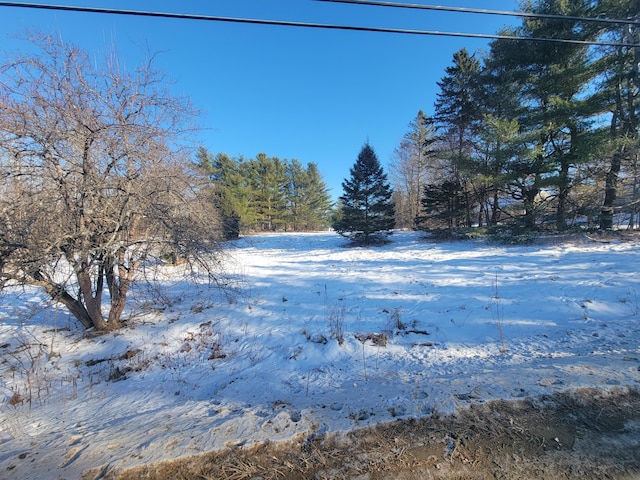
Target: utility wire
x,y
484,11
188,16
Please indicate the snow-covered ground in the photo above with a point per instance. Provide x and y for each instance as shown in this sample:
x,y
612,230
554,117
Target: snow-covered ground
x,y
427,327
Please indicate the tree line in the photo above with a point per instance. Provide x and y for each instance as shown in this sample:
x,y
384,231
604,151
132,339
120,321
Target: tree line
x,y
266,194
531,134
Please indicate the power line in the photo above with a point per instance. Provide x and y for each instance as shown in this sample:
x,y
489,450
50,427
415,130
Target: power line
x,y
188,16
484,11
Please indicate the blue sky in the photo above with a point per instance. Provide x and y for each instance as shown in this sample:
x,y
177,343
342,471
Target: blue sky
x,y
315,95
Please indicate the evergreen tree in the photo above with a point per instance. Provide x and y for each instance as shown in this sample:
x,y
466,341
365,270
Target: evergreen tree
x,y
619,90
367,213
296,208
498,142
558,84
512,134
309,203
498,145
458,114
266,193
269,177
317,200
444,206
245,195
543,88
457,107
221,170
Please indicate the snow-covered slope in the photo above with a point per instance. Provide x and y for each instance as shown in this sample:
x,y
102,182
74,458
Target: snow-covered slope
x,y
426,327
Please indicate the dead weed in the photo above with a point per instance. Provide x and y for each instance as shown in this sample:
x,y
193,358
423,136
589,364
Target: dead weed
x,y
586,434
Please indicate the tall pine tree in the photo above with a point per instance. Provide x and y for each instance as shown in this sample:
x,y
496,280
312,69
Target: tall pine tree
x,y
458,115
558,84
309,202
222,171
317,199
367,214
619,88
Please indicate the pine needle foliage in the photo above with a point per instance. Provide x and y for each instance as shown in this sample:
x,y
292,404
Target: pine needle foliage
x,y
367,212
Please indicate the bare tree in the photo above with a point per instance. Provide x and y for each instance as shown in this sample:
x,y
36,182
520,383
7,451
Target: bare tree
x,y
96,179
410,169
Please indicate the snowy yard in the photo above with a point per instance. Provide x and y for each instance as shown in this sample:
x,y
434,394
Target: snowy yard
x,y
425,327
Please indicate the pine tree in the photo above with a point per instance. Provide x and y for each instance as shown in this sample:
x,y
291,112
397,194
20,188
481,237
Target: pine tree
x,y
367,213
296,208
269,179
458,115
558,84
619,87
308,200
221,170
457,108
552,84
314,207
444,206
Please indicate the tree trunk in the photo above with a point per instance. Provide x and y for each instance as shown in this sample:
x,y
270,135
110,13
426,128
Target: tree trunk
x,y
92,304
495,208
563,195
623,125
59,294
118,286
610,192
530,208
634,198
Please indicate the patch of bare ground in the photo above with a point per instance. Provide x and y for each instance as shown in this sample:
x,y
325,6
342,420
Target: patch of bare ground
x,y
581,434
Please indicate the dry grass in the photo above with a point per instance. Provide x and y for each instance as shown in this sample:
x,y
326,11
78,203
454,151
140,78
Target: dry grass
x,y
586,434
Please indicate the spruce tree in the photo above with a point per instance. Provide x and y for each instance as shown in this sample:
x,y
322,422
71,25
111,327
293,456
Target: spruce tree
x,y
367,213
